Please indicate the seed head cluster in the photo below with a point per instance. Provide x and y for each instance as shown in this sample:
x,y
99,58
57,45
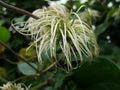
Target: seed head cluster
x,y
60,29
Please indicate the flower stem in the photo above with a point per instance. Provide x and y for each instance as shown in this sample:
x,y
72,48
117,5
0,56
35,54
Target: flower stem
x,y
44,84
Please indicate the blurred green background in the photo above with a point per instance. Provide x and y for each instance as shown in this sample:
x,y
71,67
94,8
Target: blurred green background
x,y
102,73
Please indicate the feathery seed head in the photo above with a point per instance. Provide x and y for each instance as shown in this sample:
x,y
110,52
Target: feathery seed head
x,y
59,27
14,86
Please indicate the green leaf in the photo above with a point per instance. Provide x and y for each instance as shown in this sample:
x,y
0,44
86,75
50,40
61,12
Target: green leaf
x,y
59,79
25,69
2,49
42,78
3,72
104,86
100,70
116,55
4,34
101,28
110,13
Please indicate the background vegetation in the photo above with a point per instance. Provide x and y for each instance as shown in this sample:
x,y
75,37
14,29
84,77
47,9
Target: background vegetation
x,y
102,73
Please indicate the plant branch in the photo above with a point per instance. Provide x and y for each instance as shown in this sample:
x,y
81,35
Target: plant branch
x,y
3,80
50,66
19,56
44,84
6,59
17,10
20,78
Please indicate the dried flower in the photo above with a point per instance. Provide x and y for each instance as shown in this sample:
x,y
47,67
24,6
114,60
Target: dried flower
x,y
116,14
14,86
90,14
59,27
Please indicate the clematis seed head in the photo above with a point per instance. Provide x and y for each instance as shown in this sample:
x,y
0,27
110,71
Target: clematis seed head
x,y
58,27
14,86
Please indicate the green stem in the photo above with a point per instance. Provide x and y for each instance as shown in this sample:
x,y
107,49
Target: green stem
x,y
50,66
20,78
6,59
44,84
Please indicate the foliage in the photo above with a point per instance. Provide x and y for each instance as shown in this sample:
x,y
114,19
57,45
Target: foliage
x,y
99,73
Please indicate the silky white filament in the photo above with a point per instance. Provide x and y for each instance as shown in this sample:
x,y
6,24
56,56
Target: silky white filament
x,y
59,27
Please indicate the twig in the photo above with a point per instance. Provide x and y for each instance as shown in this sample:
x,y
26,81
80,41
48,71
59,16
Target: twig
x,y
19,56
5,58
3,80
44,84
52,65
49,67
20,78
17,10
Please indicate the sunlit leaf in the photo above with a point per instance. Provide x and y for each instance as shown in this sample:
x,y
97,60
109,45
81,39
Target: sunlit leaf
x,y
4,34
27,53
3,72
2,49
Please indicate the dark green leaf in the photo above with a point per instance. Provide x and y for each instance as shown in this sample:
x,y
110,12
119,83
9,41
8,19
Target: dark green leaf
x,y
100,70
42,78
110,13
59,79
101,28
105,86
